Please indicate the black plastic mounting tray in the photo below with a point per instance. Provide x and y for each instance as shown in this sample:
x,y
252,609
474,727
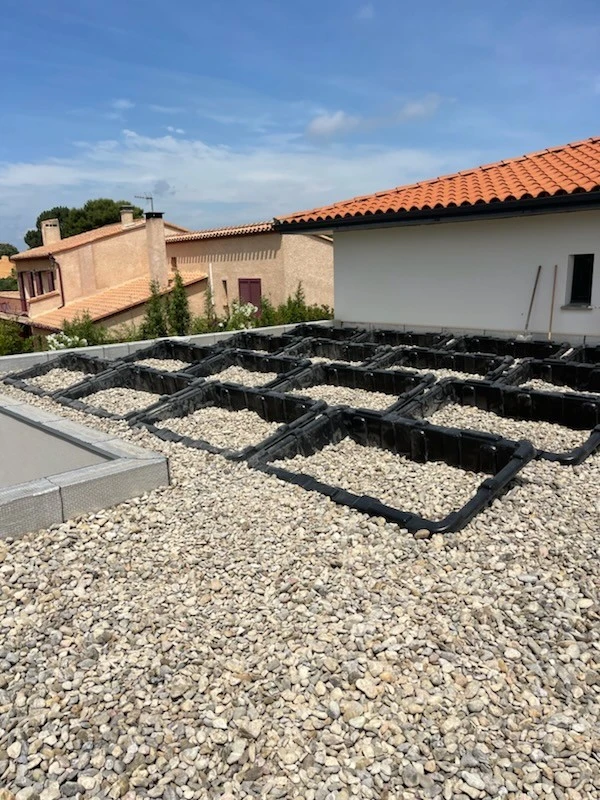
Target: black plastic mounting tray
x,y
291,412
401,385
500,458
489,367
263,342
127,376
172,349
408,338
91,365
580,377
251,360
363,352
517,348
329,332
585,354
570,410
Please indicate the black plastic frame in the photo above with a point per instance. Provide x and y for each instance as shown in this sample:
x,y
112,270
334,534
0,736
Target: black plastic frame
x,y
92,365
499,457
127,376
312,347
585,354
403,386
578,376
252,360
517,348
170,348
571,410
396,338
349,334
291,412
261,342
489,366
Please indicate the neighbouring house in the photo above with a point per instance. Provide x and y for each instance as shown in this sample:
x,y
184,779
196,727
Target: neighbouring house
x,y
247,262
105,272
6,267
463,251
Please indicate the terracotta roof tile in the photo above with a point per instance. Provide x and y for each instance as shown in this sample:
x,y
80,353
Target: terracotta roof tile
x,y
108,302
568,169
218,233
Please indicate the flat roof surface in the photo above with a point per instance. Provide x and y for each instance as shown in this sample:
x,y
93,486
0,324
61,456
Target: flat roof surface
x,y
30,452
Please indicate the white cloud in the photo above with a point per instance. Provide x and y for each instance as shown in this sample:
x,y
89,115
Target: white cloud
x,y
158,109
365,12
423,107
171,129
122,104
328,124
203,185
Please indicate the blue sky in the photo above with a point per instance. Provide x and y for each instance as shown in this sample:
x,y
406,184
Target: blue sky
x,y
231,112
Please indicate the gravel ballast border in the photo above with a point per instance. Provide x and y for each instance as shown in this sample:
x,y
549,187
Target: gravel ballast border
x,y
76,362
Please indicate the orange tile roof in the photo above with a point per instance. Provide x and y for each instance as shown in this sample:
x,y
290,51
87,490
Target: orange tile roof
x,y
108,302
218,233
84,238
566,170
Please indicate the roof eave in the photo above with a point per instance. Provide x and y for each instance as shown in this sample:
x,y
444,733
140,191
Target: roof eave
x,y
543,205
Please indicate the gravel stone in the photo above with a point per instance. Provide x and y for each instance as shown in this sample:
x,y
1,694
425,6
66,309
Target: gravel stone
x,y
432,490
244,376
222,428
121,401
544,386
322,360
57,379
440,374
342,395
543,435
163,364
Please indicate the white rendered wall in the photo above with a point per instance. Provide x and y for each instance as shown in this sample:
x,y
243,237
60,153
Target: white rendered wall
x,y
467,275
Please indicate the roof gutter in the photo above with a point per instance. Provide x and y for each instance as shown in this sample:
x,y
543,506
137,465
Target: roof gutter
x,y
511,208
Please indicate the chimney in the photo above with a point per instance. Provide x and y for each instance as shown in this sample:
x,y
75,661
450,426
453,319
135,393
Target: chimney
x,y
126,215
50,231
157,248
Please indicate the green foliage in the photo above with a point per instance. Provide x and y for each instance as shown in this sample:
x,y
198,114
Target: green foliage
x,y
81,327
154,325
94,214
13,340
178,308
7,249
9,285
210,321
128,332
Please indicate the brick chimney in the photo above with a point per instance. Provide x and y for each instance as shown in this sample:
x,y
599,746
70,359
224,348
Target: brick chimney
x,y
50,231
126,215
157,248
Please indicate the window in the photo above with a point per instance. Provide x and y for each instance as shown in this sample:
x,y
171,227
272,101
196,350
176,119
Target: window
x,y
250,291
582,270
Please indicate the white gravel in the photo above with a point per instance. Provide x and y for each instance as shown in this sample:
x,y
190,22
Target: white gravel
x,y
319,360
121,401
244,376
543,435
58,379
432,490
440,374
544,386
164,364
342,395
222,428
233,636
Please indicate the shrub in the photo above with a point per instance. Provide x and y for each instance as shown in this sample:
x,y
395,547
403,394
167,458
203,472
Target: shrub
x,y
9,285
178,308
82,327
154,324
12,339
241,316
61,341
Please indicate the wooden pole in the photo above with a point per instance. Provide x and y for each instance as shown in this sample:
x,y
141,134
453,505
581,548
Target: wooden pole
x,y
535,285
552,303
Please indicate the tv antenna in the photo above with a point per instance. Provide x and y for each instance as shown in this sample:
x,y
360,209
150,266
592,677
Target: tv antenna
x,y
147,197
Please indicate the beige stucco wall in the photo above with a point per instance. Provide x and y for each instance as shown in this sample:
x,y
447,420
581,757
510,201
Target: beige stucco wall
x,y
6,266
309,259
232,258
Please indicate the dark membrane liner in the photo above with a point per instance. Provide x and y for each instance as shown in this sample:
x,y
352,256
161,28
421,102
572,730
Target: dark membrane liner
x,y
291,412
578,376
585,354
252,361
402,385
125,376
247,340
571,410
91,365
167,348
411,338
490,367
329,332
336,350
496,345
500,458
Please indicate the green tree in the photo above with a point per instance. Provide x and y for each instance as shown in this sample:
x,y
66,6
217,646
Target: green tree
x,y
154,324
178,308
82,327
93,214
12,339
7,249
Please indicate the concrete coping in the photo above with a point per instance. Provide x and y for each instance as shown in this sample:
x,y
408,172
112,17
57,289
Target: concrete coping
x,y
124,471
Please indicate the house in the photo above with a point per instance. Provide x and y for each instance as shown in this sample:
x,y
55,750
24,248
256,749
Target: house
x,y
472,251
105,272
248,262
6,267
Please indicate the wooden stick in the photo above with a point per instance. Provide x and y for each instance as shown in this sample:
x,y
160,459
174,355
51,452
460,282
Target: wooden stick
x,y
535,285
552,304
